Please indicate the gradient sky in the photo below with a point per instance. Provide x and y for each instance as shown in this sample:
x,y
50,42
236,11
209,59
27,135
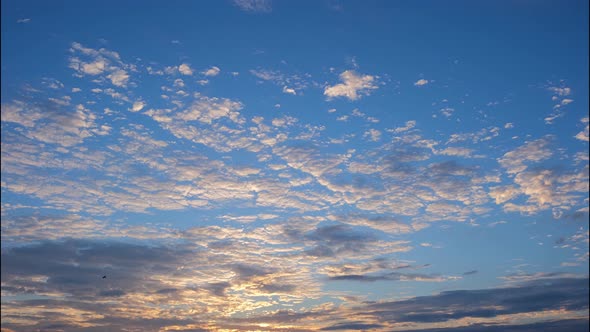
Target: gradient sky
x,y
260,165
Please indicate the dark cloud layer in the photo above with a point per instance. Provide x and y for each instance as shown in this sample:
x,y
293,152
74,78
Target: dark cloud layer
x,y
570,325
569,294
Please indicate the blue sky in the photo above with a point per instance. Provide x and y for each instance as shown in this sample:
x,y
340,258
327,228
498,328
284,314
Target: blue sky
x,y
258,165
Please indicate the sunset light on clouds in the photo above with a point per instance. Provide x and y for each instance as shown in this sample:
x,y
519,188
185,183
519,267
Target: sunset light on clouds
x,y
265,165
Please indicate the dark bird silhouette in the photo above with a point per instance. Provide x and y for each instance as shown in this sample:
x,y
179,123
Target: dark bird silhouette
x,y
104,277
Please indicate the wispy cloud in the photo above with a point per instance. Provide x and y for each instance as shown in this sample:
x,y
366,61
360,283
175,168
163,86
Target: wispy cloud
x,y
254,6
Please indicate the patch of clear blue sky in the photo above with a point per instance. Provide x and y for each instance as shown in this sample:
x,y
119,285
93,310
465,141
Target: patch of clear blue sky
x,y
494,39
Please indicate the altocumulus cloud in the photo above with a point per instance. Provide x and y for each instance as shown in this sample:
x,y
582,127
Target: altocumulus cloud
x,y
353,86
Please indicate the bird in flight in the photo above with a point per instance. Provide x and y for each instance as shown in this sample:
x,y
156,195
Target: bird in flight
x,y
104,277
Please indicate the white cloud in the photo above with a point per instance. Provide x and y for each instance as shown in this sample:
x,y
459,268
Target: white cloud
x,y
119,78
267,75
456,151
447,111
561,91
53,83
553,116
284,121
94,68
102,61
514,161
254,6
207,109
503,194
509,125
495,223
289,90
213,71
583,135
566,101
138,106
289,83
66,129
23,20
353,86
179,83
409,125
374,134
170,70
185,69
484,134
421,82
20,113
74,90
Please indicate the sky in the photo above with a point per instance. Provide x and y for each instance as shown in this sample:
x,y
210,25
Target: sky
x,y
265,165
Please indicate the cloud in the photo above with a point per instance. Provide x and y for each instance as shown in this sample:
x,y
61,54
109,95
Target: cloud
x,y
484,134
53,83
138,106
254,6
379,222
447,111
20,113
409,125
23,20
213,71
353,87
456,151
583,135
206,110
533,151
94,68
503,194
289,83
561,293
62,123
185,69
289,90
119,78
99,62
421,82
563,91
373,134
556,324
566,101
393,276
267,75
351,326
